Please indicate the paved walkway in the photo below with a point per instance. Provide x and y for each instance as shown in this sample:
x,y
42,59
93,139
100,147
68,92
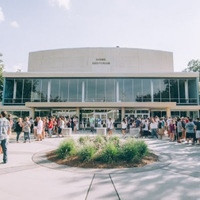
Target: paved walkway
x,y
29,175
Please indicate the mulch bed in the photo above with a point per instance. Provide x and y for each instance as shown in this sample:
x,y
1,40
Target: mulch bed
x,y
75,161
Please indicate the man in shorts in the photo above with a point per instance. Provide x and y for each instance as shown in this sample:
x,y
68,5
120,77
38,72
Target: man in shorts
x,y
5,130
190,127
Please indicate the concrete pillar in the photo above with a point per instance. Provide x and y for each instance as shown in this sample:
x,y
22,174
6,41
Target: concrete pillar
x,y
117,91
186,92
168,110
33,113
122,113
152,97
83,92
49,91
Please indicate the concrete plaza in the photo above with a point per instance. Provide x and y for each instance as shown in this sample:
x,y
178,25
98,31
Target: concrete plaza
x,y
29,175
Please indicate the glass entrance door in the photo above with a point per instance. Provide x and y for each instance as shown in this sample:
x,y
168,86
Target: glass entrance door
x,y
100,120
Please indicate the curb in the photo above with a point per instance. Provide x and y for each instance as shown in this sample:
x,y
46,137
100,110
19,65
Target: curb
x,y
40,158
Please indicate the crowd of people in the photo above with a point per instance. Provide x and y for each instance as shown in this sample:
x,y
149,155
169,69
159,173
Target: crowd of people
x,y
43,127
179,129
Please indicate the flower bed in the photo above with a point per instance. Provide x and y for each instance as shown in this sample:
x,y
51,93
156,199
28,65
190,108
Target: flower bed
x,y
102,152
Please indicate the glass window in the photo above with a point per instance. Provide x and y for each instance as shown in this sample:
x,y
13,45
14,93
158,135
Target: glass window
x,y
64,89
175,114
19,88
27,90
91,90
55,90
128,90
174,90
110,90
182,91
25,114
73,90
79,98
8,91
165,90
137,85
44,91
156,90
146,90
121,90
101,84
36,90
192,91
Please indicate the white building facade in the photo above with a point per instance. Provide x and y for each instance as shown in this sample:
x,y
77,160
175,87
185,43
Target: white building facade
x,y
101,82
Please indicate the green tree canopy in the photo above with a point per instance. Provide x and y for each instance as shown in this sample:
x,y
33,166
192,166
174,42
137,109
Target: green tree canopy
x,y
193,66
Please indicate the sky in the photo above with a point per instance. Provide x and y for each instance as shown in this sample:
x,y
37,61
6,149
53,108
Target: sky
x,y
34,25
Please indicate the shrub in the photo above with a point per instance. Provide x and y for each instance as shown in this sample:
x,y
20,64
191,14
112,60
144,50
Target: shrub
x,y
87,152
66,148
109,153
133,150
114,140
83,139
142,148
99,140
128,150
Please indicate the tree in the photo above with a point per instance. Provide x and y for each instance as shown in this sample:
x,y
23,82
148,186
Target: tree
x,y
1,77
193,66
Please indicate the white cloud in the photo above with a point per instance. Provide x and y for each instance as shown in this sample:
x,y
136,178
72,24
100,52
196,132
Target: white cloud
x,y
2,18
61,3
14,24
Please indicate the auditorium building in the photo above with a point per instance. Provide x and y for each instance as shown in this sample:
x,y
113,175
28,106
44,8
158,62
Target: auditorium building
x,y
101,82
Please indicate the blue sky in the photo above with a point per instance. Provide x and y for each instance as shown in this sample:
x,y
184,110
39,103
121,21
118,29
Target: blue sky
x,y
33,25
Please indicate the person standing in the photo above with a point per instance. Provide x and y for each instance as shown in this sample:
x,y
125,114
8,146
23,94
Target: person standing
x,y
39,129
32,124
110,126
27,129
179,130
61,125
190,126
153,128
5,130
35,129
172,130
18,128
124,126
50,127
146,128
91,124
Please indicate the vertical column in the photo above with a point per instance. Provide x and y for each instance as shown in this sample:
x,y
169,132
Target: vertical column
x,y
83,92
32,113
117,91
168,110
152,100
78,115
49,91
122,113
14,90
186,92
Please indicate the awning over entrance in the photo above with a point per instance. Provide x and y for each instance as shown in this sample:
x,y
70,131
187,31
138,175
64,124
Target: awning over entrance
x,y
150,105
